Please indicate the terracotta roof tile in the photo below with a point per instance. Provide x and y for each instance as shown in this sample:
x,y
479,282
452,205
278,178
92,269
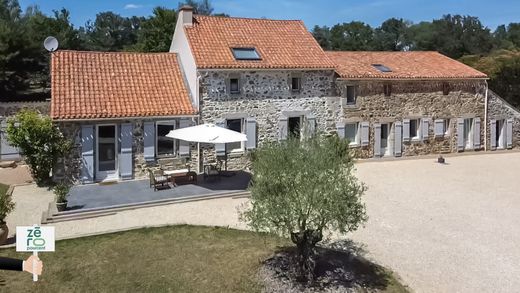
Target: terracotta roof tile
x,y
280,43
404,65
90,85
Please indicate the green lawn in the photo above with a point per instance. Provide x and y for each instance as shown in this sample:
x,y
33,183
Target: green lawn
x,y
3,188
169,259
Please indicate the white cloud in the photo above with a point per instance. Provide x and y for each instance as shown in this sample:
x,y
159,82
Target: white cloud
x,y
132,6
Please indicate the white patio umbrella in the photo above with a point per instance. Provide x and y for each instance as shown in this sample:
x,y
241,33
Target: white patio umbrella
x,y
207,133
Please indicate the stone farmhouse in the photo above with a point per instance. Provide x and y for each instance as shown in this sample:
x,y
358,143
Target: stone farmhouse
x,y
268,79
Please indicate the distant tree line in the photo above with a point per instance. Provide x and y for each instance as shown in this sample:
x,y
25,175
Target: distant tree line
x,y
24,63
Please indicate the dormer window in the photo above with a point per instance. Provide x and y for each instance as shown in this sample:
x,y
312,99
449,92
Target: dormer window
x,y
382,68
245,54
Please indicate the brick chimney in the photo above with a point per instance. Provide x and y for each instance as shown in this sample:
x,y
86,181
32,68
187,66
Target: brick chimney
x,y
186,15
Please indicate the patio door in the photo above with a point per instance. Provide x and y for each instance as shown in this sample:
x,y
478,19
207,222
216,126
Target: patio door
x,y
106,152
386,140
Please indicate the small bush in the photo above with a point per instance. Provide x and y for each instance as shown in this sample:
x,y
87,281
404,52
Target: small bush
x,y
6,206
61,190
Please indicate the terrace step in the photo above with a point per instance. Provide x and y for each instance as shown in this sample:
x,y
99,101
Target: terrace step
x,y
53,216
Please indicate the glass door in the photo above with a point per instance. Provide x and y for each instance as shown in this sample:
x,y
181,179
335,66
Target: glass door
x,y
384,139
106,152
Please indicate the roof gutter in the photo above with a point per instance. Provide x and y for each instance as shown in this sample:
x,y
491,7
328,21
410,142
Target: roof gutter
x,y
260,69
126,118
413,79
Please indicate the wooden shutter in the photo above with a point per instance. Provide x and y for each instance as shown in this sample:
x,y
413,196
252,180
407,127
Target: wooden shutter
x,y
87,153
493,134
377,140
364,133
282,128
341,130
460,134
125,158
476,133
220,148
149,141
7,151
184,146
251,133
398,131
439,127
310,126
509,133
425,128
406,129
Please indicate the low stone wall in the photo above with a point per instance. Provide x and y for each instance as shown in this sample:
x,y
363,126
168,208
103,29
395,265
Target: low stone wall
x,y
11,108
498,108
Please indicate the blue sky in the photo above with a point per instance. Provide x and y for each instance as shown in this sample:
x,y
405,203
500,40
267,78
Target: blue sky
x,y
323,12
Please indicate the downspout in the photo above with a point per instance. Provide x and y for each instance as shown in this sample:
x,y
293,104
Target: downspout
x,y
486,117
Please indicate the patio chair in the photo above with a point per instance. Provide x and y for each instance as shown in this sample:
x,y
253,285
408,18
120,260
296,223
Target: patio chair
x,y
213,170
157,179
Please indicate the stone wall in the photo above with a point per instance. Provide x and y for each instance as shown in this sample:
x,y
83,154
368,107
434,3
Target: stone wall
x,y
415,99
11,108
266,95
498,108
71,165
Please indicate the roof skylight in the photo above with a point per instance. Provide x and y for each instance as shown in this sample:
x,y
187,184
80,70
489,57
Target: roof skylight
x,y
382,68
245,54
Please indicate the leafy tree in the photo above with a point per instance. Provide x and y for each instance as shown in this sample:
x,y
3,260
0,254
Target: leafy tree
x,y
506,82
392,35
39,140
501,38
352,36
156,32
513,33
322,35
303,189
112,32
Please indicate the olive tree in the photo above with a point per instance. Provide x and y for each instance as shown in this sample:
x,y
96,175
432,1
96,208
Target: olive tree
x,y
301,189
40,142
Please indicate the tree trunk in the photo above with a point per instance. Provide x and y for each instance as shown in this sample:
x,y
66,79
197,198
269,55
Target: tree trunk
x,y
305,243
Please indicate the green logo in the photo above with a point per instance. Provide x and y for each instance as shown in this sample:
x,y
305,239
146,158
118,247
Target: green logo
x,y
34,239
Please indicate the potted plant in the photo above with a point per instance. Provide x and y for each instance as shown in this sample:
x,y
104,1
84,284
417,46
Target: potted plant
x,y
6,206
61,190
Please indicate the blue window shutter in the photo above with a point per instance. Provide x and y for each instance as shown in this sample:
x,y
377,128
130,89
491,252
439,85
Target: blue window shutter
x,y
251,133
460,134
149,141
493,134
87,153
311,125
398,132
340,127
126,158
425,127
365,139
406,129
377,140
476,133
509,133
220,148
282,128
184,146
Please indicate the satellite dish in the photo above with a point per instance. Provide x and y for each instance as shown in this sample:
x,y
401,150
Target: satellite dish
x,y
51,44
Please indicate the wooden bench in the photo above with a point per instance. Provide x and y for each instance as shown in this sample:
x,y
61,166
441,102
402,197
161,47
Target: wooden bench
x,y
157,179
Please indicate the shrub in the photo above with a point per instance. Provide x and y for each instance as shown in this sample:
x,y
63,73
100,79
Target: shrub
x,y
40,142
6,206
61,190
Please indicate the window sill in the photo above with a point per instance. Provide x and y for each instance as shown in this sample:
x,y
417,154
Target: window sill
x,y
354,145
351,105
415,140
235,153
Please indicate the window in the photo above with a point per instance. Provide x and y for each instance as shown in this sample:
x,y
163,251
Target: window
x,y
165,146
382,68
445,88
296,84
245,54
387,89
352,133
351,95
234,86
238,126
295,126
415,128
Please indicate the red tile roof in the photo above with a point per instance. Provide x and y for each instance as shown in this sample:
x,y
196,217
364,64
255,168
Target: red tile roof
x,y
90,85
404,65
282,44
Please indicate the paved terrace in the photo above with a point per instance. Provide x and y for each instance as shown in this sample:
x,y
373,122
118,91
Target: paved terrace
x,y
131,192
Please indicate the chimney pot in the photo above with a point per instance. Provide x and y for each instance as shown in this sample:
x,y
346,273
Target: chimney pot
x,y
186,15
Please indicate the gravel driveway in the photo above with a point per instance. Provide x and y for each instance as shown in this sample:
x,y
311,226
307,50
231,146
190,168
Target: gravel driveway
x,y
446,228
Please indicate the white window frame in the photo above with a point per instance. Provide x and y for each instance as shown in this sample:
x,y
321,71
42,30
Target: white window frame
x,y
357,137
175,143
417,135
242,143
